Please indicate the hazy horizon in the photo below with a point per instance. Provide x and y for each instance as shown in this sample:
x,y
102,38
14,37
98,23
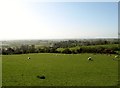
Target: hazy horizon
x,y
23,20
54,39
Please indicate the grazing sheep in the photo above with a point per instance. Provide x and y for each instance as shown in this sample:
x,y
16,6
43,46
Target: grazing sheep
x,y
89,59
28,57
116,56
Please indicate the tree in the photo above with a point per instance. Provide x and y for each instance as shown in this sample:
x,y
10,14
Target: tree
x,y
67,51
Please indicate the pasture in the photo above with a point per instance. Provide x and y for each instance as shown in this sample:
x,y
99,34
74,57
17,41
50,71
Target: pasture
x,y
59,70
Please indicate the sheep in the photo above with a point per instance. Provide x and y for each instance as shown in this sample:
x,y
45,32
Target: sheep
x,y
90,59
28,57
116,57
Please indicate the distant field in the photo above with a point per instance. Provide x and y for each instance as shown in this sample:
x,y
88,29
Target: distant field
x,y
108,46
59,70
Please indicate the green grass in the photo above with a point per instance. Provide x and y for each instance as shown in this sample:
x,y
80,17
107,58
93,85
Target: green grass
x,y
59,70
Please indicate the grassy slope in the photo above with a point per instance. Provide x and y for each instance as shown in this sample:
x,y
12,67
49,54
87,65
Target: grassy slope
x,y
71,70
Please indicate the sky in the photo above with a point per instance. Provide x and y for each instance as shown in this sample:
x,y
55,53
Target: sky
x,y
24,19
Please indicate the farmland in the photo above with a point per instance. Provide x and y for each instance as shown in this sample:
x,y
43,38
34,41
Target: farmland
x,y
59,70
108,46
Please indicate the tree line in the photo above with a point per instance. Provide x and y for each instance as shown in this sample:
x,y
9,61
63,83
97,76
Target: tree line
x,y
84,47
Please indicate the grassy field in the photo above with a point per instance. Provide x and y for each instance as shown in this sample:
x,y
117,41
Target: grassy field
x,y
59,70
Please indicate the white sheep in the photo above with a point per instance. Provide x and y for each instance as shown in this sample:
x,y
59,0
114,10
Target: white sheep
x,y
116,56
28,57
89,58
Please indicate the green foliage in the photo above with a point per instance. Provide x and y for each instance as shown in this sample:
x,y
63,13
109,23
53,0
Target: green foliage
x,y
84,42
67,51
108,49
67,47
